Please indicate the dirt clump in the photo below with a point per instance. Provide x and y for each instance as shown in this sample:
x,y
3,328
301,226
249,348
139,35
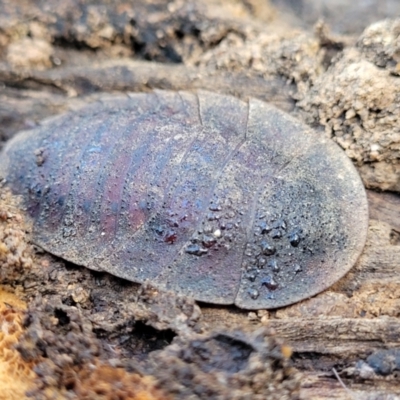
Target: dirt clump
x,y
15,253
70,356
16,374
229,366
30,53
357,102
71,363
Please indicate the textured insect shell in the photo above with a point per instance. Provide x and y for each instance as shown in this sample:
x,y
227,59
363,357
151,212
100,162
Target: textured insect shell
x,y
203,194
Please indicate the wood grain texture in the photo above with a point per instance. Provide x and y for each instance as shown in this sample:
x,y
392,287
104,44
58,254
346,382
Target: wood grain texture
x,y
385,207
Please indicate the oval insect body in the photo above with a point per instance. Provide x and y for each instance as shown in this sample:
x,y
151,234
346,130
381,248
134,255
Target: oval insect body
x,y
203,194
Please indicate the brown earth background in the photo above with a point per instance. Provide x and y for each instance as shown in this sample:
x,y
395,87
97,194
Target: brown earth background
x,y
70,333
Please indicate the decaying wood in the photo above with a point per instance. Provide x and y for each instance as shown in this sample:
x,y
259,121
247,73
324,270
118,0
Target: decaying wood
x,y
138,76
233,48
385,207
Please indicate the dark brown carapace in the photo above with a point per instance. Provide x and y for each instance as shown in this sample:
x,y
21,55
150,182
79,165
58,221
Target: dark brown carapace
x,y
203,194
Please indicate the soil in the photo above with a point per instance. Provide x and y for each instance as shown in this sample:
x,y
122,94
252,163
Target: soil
x,y
73,333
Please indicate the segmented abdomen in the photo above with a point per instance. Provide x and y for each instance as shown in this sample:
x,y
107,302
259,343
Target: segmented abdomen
x,y
203,194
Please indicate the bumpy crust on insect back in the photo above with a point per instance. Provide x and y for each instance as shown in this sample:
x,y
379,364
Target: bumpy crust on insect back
x,y
203,194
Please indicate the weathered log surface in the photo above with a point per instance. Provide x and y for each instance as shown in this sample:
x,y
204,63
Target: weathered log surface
x,y
385,207
57,58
